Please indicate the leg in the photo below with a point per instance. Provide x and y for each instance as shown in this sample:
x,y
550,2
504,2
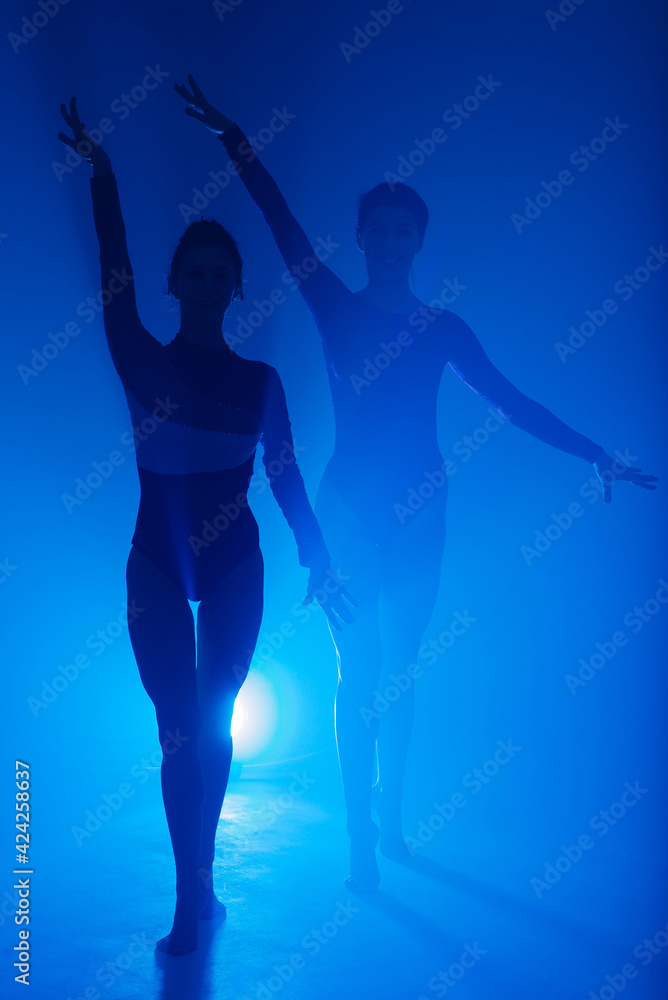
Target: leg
x,y
163,640
228,623
411,576
359,663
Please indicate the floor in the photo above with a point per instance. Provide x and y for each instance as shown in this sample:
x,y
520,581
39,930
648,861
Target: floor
x,y
459,919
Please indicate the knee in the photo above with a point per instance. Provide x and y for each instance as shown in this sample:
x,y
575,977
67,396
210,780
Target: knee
x,y
357,705
178,734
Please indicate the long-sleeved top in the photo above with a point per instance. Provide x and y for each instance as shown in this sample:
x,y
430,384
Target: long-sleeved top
x,y
198,415
385,370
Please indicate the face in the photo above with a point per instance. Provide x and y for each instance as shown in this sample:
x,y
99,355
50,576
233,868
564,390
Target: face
x,y
205,283
389,239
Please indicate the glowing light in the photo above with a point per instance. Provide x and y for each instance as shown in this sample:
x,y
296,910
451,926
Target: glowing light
x,y
238,717
255,717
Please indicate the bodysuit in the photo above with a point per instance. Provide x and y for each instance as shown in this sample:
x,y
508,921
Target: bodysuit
x,y
198,414
384,372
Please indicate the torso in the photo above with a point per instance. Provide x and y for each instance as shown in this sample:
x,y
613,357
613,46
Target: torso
x,y
385,380
195,467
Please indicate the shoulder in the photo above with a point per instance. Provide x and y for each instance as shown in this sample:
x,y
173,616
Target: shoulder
x,y
444,326
253,367
260,374
452,326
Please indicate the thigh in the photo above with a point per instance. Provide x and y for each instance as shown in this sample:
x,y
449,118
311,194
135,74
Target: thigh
x,y
356,559
228,623
163,640
410,581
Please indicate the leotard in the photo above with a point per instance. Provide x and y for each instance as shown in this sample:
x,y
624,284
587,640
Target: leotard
x,y
198,415
384,372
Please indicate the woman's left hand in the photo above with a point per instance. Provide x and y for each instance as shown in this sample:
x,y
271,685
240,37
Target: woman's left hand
x,y
331,595
610,470
209,116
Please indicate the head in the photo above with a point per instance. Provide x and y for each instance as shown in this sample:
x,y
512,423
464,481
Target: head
x,y
391,223
206,272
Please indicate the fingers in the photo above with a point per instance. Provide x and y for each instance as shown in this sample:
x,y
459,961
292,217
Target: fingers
x,y
351,600
334,607
183,92
334,622
196,98
197,115
196,90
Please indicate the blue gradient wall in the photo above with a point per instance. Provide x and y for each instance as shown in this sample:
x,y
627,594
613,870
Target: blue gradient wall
x,y
531,254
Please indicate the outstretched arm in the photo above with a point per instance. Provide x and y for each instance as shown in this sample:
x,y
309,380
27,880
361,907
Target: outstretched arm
x,y
471,364
129,343
288,487
316,282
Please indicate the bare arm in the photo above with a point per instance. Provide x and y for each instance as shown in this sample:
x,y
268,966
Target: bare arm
x,y
317,283
129,343
470,362
288,487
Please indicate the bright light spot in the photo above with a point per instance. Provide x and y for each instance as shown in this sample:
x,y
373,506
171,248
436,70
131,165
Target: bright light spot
x,y
255,717
238,717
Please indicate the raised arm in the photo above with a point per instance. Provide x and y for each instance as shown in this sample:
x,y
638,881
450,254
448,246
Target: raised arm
x,y
469,361
129,342
319,286
288,487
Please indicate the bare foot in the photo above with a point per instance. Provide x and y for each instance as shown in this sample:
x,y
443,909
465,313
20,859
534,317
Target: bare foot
x,y
364,874
182,938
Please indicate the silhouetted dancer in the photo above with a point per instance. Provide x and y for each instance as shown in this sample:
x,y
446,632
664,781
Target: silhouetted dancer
x,y
199,411
385,353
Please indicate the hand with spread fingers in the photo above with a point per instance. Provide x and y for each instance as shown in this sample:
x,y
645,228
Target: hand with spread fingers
x,y
200,109
610,470
81,142
331,595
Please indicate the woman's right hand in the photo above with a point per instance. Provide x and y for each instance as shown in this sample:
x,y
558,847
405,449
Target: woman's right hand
x,y
81,142
209,116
